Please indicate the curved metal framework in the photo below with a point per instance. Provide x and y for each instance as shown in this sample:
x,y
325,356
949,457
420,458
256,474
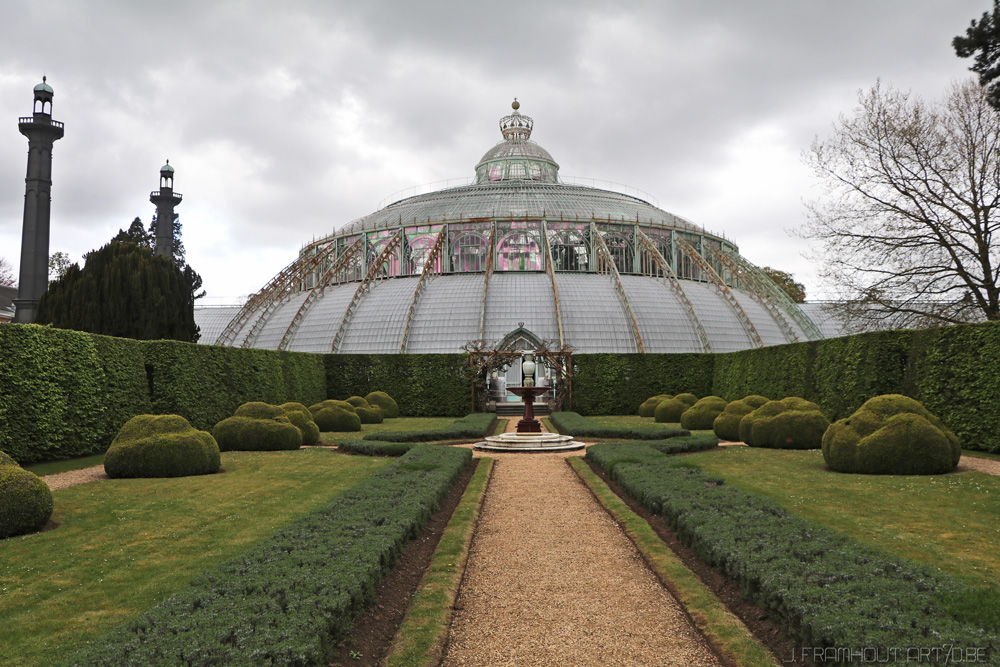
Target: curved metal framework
x,y
431,266
606,264
555,288
347,257
491,251
374,269
722,289
270,296
757,291
780,296
667,272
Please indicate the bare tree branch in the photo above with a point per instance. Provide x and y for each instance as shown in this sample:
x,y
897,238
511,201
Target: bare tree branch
x,y
908,222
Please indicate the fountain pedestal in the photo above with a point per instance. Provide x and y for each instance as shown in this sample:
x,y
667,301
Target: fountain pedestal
x,y
528,423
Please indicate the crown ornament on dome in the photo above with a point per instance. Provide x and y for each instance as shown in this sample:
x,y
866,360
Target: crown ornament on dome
x,y
516,127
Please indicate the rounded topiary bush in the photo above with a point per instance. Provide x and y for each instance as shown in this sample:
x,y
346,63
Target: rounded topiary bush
x,y
258,410
330,403
161,446
727,424
25,500
670,410
250,434
648,407
372,415
702,414
891,435
358,402
390,410
337,419
299,415
791,423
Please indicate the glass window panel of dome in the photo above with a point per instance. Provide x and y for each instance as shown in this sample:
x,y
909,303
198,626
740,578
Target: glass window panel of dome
x,y
515,170
469,251
535,171
519,250
664,323
569,249
496,171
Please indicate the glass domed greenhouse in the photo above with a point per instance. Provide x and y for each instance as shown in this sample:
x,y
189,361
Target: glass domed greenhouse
x,y
515,252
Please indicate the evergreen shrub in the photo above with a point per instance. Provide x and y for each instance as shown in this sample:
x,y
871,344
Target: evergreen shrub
x,y
336,420
791,423
299,415
161,446
331,403
357,401
891,435
372,415
389,408
670,410
290,599
701,415
579,426
727,424
648,407
257,434
375,447
25,500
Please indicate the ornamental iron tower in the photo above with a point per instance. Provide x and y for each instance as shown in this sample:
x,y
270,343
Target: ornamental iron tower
x,y
42,132
165,199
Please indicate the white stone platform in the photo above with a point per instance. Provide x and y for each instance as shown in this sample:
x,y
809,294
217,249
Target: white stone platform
x,y
529,442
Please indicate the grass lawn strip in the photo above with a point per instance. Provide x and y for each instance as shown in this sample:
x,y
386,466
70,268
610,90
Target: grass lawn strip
x,y
288,599
395,424
420,640
54,467
122,546
726,632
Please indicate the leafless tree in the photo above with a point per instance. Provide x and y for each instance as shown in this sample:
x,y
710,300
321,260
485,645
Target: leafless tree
x,y
908,221
6,274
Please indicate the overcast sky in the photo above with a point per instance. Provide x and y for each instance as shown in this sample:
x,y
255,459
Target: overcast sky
x,y
287,120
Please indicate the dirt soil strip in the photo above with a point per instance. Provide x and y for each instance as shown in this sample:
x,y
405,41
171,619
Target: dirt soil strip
x,y
552,580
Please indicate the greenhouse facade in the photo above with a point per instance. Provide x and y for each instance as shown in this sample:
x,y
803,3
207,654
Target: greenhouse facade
x,y
516,251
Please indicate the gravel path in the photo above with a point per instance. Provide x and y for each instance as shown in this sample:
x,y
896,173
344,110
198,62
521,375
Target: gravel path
x,y
62,480
552,580
979,464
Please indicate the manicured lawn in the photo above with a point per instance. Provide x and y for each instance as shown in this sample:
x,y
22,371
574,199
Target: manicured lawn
x,y
124,545
628,421
66,465
397,424
947,521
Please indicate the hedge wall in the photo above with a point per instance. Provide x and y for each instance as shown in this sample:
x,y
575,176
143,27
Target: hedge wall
x,y
423,385
206,383
954,371
616,384
65,393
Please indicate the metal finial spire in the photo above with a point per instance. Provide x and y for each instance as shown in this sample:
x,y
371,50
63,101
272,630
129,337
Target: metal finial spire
x,y
516,127
516,105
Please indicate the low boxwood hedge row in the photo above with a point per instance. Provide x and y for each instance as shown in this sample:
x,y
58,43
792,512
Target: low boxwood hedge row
x,y
292,597
579,426
473,426
375,447
825,588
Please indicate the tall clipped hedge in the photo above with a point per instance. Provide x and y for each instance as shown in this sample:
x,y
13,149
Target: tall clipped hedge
x,y
423,385
205,384
65,393
954,371
617,384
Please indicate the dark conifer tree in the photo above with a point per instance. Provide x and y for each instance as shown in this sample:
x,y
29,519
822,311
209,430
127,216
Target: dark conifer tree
x,y
124,290
982,40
